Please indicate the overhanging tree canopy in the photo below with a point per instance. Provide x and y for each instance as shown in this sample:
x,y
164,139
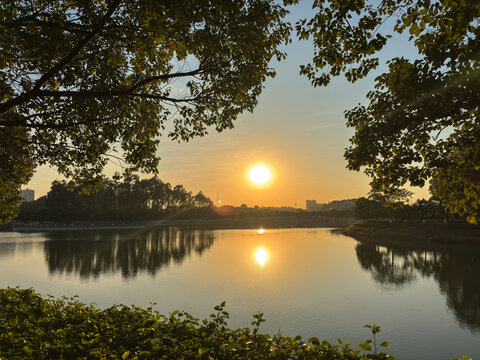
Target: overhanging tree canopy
x,y
422,119
80,80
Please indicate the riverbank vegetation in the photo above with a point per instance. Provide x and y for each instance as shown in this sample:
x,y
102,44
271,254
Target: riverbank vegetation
x,y
35,327
129,198
379,205
451,232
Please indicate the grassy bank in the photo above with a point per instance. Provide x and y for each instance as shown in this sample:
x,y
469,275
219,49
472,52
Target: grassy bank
x,y
450,233
34,327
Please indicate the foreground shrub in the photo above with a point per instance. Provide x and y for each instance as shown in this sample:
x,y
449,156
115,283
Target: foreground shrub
x,y
34,327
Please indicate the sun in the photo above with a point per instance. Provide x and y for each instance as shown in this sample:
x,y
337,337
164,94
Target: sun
x,y
261,256
259,174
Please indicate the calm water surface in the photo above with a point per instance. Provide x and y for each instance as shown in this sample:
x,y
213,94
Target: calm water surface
x,y
310,282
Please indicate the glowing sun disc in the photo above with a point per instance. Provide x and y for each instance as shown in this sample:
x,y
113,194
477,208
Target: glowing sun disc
x,y
259,174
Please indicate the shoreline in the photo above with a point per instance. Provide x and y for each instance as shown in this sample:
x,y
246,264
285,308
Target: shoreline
x,y
206,224
74,228
416,233
419,233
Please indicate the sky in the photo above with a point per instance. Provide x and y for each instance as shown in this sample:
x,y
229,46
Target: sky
x,y
298,131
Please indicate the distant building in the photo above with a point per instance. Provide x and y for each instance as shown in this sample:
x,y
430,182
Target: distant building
x,y
342,204
312,205
28,195
280,208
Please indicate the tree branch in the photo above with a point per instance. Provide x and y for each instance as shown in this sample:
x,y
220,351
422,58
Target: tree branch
x,y
110,93
66,125
22,98
165,77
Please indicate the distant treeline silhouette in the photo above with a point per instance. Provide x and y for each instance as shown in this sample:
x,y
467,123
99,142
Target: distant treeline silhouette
x,y
117,199
379,206
133,199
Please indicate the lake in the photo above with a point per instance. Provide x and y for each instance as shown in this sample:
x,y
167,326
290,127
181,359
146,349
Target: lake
x,y
311,282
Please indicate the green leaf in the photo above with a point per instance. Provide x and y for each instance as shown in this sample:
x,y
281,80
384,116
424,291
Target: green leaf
x,y
365,346
125,355
385,345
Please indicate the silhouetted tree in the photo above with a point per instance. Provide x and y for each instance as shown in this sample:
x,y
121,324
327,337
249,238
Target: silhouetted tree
x,y
124,199
80,79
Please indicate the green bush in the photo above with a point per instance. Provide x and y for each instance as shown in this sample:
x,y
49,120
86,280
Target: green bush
x,y
34,327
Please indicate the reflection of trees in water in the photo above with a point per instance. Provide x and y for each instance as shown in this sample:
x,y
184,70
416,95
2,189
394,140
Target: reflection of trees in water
x,y
112,253
459,279
10,249
455,269
387,267
7,249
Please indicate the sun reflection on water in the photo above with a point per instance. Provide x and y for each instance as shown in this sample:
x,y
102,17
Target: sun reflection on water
x,y
261,256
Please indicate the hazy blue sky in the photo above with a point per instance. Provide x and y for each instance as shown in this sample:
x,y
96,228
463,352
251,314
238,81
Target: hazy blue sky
x,y
297,130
